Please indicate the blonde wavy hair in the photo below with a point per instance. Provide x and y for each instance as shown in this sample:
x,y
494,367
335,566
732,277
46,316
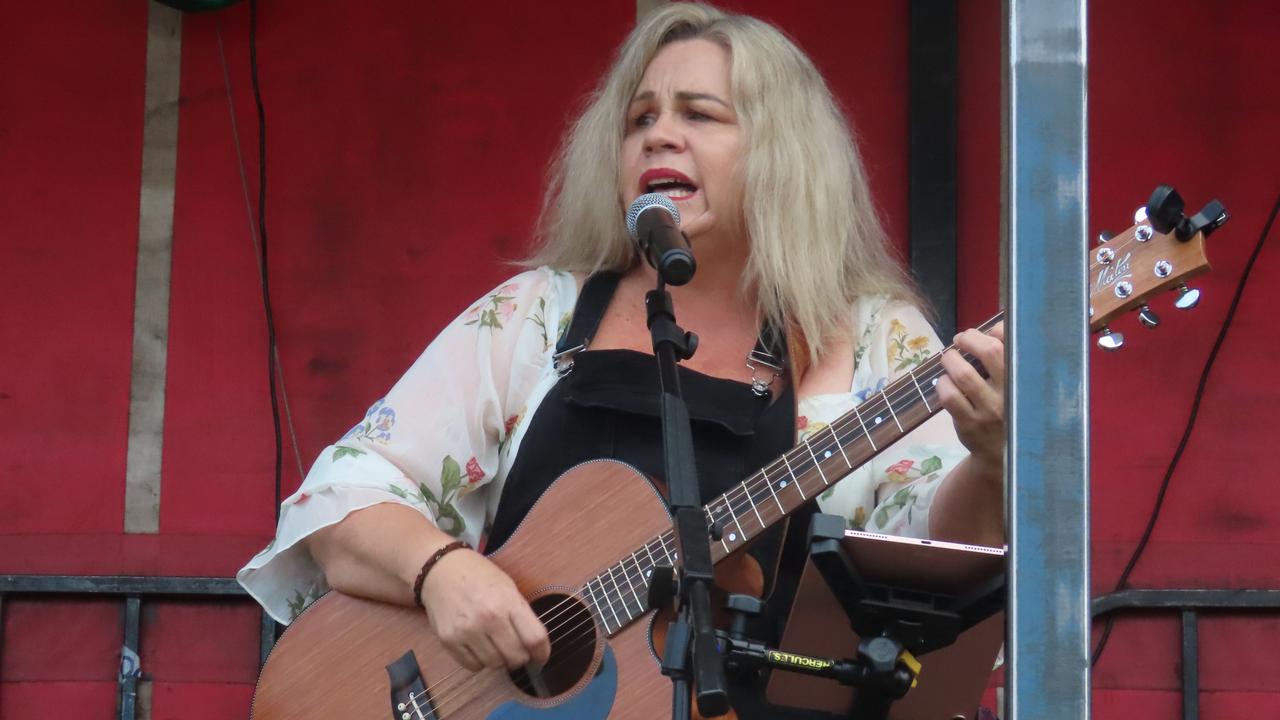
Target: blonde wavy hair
x,y
816,242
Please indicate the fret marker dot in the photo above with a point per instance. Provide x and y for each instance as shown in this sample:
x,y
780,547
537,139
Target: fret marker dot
x,y
782,484
879,420
826,454
648,573
935,381
733,537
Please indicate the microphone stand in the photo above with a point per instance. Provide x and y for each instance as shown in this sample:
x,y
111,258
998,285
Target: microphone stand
x,y
691,655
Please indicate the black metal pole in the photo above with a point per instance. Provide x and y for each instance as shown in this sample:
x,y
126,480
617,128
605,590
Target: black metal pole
x,y
1190,666
932,172
702,664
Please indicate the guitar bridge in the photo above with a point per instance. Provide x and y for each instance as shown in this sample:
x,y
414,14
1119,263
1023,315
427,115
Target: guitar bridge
x,y
409,697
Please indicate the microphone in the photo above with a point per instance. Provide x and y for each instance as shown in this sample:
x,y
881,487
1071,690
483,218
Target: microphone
x,y
654,224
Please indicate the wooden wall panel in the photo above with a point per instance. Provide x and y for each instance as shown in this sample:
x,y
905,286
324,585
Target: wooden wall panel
x,y
71,143
406,151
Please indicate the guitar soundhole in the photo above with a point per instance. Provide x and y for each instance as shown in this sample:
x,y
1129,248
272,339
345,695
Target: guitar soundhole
x,y
573,645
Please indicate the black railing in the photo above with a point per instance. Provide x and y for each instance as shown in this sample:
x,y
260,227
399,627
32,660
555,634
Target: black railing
x,y
1189,603
132,589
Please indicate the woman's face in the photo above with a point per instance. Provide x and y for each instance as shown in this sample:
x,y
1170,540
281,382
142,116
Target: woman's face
x,y
682,138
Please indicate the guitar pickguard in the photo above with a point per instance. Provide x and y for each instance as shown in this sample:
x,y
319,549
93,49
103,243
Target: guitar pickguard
x,y
594,702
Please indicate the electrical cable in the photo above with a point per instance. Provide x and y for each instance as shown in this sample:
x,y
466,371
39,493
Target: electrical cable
x,y
253,235
262,233
1186,435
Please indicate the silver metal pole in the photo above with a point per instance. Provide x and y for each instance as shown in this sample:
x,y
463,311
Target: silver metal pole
x,y
1048,452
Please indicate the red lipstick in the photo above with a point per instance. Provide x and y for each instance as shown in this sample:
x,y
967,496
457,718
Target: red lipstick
x,y
657,174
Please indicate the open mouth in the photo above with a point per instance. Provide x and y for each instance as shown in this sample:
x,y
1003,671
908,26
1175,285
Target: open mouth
x,y
674,185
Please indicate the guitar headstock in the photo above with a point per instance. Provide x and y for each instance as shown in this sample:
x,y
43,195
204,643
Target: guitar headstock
x,y
1161,251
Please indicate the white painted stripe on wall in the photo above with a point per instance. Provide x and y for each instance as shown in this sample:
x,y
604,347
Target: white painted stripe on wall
x,y
155,246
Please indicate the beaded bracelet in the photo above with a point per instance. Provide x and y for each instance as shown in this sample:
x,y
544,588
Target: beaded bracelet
x,y
430,563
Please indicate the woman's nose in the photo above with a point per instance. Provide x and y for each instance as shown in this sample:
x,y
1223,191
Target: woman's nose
x,y
663,134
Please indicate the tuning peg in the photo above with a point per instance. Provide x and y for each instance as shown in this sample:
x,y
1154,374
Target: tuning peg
x,y
1110,341
1104,236
1187,297
1148,316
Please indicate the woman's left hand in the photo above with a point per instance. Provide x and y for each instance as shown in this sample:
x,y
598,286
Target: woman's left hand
x,y
976,404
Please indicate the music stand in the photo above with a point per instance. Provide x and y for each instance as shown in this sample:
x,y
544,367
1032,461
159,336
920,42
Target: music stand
x,y
941,602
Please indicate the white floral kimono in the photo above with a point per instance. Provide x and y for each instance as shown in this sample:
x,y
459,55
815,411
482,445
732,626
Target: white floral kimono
x,y
444,438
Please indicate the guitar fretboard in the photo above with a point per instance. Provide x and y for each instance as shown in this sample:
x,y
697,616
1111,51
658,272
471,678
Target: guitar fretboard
x,y
619,594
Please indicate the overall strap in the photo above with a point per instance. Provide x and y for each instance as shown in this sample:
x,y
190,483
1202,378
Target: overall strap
x,y
771,353
589,309
770,350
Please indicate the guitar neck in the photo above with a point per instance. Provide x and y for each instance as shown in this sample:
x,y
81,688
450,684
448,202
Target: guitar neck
x,y
618,594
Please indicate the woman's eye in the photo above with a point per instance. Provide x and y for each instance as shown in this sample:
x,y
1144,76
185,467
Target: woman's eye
x,y
644,120
695,115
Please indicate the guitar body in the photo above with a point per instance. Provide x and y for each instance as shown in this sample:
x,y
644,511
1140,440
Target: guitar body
x,y
332,662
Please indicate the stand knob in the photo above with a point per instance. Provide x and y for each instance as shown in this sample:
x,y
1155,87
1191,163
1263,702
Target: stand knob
x,y
690,346
1187,297
662,587
743,607
716,530
1110,341
1148,316
880,653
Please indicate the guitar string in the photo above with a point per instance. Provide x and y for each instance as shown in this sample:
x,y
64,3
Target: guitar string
x,y
930,369
842,429
581,642
734,499
443,696
568,650
557,611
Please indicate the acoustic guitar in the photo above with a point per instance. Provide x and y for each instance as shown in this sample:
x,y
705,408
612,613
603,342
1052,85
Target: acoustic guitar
x,y
585,554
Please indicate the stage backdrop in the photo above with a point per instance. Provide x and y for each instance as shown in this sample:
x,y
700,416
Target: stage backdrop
x,y
406,148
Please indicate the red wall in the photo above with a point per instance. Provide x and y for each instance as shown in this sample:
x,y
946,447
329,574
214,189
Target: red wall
x,y
406,150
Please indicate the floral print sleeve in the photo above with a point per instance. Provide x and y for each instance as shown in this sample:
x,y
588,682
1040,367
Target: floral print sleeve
x,y
892,493
437,442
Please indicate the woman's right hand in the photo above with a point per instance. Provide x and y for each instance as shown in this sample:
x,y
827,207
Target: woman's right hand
x,y
480,616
